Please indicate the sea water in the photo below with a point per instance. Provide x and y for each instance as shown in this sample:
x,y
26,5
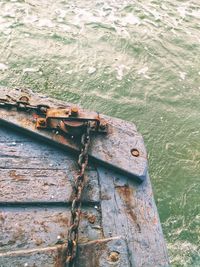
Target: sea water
x,y
136,60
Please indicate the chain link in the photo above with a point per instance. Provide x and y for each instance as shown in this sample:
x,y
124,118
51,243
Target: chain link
x,y
76,203
22,104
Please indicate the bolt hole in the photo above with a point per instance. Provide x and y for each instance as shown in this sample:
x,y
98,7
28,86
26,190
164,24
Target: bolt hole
x,y
135,152
114,256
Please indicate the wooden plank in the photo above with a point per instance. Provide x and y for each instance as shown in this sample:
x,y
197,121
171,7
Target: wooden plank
x,y
129,209
46,257
31,185
35,172
22,185
40,226
6,135
104,252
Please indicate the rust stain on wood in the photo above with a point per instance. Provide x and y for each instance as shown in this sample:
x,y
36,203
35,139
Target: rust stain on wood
x,y
60,257
2,217
25,122
39,242
89,216
126,194
45,227
15,176
93,253
105,196
62,220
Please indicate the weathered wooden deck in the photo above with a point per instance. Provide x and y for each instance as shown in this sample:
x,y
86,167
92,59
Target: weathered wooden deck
x,y
36,179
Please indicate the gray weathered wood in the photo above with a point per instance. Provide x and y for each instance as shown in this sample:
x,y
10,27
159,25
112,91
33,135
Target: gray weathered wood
x,y
36,183
40,226
93,253
129,209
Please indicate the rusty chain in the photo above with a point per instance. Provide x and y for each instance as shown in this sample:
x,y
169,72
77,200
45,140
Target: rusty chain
x,y
76,203
22,104
72,237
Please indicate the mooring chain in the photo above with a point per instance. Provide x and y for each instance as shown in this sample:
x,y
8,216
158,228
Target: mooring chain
x,y
22,104
76,203
72,238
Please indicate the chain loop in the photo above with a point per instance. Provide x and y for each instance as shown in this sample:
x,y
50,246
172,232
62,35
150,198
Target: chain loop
x,y
76,203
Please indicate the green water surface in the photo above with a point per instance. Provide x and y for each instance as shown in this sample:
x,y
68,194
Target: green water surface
x,y
136,60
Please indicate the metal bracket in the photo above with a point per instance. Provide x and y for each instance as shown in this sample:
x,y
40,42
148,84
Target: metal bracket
x,y
70,121
121,149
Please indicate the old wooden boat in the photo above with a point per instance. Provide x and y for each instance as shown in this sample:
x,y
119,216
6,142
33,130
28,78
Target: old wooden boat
x,y
119,223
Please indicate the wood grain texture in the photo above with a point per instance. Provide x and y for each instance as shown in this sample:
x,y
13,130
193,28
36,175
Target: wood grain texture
x,y
128,209
35,172
36,183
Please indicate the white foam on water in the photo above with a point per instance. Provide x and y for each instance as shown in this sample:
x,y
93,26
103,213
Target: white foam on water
x,y
9,13
69,72
61,13
156,15
123,32
30,19
120,71
3,67
164,7
4,26
182,75
46,23
91,70
65,28
182,11
85,16
130,19
107,16
143,70
30,70
169,145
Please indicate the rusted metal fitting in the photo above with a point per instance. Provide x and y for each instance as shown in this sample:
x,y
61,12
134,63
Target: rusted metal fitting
x,y
91,218
74,128
114,256
24,99
103,125
74,111
41,123
135,152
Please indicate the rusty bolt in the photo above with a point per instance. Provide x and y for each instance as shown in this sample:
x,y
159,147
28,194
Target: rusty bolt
x,y
42,122
103,125
74,111
91,218
24,98
135,152
114,256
